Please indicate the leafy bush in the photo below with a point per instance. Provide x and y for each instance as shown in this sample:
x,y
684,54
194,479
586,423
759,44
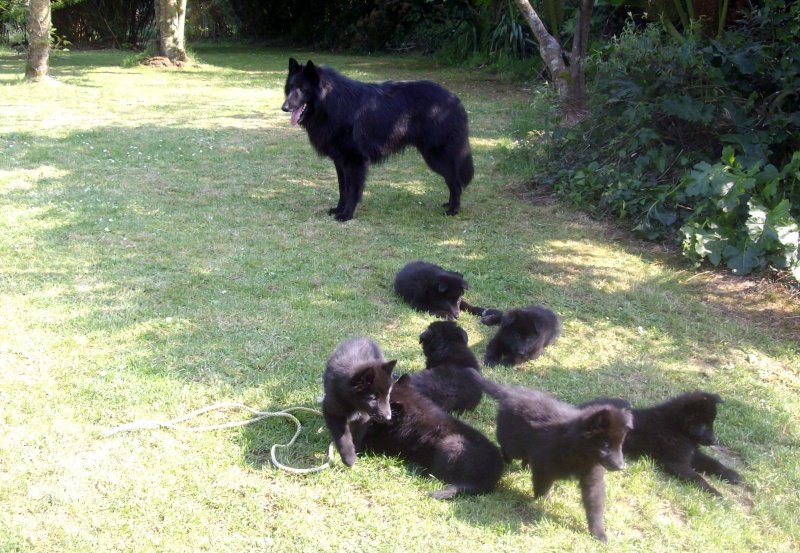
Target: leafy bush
x,y
743,216
686,138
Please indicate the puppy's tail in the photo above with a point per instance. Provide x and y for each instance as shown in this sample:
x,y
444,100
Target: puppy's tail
x,y
466,171
497,391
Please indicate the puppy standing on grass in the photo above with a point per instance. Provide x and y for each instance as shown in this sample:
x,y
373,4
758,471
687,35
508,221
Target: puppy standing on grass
x,y
445,380
357,382
523,334
559,441
671,433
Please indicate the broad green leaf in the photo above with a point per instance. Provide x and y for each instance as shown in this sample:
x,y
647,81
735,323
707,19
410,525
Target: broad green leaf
x,y
756,220
742,259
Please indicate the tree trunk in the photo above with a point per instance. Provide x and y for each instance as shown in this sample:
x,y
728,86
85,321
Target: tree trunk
x,y
569,81
171,28
580,46
551,51
38,40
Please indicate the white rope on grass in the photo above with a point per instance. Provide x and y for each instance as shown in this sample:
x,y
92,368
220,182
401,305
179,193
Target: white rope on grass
x,y
258,416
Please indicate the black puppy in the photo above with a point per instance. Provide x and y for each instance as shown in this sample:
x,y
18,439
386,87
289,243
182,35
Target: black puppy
x,y
671,433
444,380
523,334
428,287
422,433
559,441
357,381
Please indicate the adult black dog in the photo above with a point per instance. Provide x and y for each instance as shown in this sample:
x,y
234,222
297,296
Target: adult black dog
x,y
356,123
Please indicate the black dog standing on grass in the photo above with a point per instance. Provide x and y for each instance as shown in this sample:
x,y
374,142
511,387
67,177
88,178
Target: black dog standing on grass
x,y
356,123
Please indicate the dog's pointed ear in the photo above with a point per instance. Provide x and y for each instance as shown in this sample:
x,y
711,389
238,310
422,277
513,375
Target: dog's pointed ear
x,y
425,336
463,334
403,379
363,379
507,318
311,73
388,367
597,422
294,67
714,397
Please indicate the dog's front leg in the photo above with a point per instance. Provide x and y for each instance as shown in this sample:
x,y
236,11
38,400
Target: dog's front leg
x,y
703,463
593,494
340,177
354,173
340,432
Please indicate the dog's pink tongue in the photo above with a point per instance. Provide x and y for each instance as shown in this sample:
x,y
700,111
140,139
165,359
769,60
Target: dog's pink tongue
x,y
296,115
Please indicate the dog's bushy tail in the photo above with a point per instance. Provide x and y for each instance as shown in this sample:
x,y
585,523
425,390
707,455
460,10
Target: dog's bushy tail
x,y
497,391
466,170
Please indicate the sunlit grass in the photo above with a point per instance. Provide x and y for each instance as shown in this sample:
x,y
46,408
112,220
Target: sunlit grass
x,y
164,245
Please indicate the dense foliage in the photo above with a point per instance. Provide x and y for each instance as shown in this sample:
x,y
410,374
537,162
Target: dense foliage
x,y
695,139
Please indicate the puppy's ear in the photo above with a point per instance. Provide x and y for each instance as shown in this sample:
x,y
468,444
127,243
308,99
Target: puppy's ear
x,y
464,335
597,422
310,73
388,367
425,336
715,398
294,67
405,379
363,379
508,318
441,286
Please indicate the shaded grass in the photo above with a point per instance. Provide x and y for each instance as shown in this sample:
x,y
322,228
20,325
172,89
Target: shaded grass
x,y
165,246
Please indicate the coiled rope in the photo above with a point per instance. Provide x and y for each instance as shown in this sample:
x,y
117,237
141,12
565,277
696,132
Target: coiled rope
x,y
258,416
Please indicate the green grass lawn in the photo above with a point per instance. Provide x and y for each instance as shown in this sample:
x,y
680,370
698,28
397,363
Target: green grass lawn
x,y
164,245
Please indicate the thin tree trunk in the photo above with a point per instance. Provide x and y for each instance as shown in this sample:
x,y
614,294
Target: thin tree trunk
x,y
171,27
551,51
580,46
38,40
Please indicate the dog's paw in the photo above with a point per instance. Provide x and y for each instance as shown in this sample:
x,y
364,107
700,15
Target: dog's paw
x,y
491,317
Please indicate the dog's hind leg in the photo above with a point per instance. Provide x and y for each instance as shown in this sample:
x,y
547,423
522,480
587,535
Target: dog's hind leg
x,y
440,160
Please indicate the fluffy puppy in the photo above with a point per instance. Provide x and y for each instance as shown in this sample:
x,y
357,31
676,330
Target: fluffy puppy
x,y
357,382
428,287
672,432
559,441
445,380
523,334
422,433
